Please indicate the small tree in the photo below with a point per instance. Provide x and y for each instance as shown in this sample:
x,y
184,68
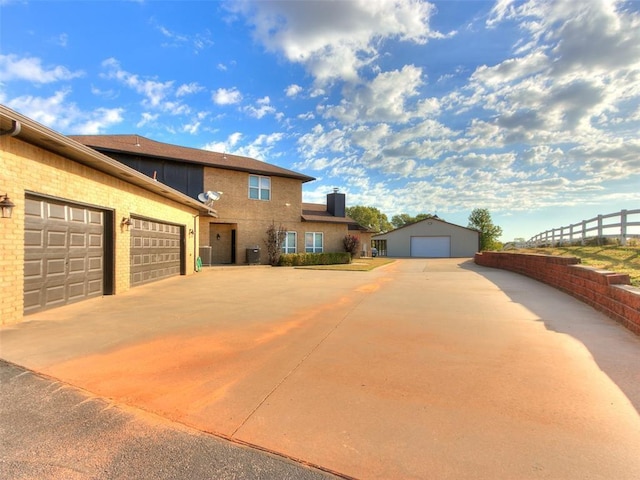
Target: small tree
x,y
480,219
351,244
404,219
275,239
369,217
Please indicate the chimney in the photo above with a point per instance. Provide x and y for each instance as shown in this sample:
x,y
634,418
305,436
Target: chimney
x,y
336,203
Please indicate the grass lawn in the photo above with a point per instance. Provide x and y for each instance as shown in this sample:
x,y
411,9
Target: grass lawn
x,y
615,259
358,265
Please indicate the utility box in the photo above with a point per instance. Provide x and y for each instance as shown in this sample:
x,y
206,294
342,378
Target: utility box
x,y
205,255
253,255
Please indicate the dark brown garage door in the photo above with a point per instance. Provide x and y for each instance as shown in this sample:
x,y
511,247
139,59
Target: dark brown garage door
x,y
155,250
64,253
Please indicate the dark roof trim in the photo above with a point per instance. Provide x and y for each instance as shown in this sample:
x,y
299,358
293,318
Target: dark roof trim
x,y
36,134
145,147
327,219
317,212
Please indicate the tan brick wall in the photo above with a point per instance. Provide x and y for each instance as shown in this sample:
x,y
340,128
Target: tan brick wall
x,y
28,168
251,218
334,233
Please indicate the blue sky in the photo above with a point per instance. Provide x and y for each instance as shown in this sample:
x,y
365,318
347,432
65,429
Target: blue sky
x,y
530,109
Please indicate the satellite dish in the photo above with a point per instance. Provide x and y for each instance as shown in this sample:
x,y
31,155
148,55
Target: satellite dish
x,y
209,197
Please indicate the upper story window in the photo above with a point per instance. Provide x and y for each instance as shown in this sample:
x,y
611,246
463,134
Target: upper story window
x,y
259,187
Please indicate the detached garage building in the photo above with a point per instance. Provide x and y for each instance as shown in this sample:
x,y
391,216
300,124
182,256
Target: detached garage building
x,y
430,238
83,225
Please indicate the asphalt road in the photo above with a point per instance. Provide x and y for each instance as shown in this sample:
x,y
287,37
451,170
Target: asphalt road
x,y
420,369
50,430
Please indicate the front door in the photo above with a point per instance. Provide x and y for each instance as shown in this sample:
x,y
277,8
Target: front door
x,y
222,238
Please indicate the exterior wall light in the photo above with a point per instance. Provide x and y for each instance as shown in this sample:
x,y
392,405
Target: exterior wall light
x,y
126,222
218,236
7,206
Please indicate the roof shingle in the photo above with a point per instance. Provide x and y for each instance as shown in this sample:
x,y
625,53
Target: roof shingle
x,y
316,212
138,145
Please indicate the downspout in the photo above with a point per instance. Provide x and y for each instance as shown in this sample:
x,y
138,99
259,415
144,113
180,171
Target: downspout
x,y
196,233
13,131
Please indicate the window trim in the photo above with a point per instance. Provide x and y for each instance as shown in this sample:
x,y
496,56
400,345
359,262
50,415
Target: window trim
x,y
313,248
286,248
260,188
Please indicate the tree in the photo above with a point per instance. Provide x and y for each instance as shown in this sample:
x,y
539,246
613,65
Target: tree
x,y
370,217
275,239
401,220
480,219
351,244
404,219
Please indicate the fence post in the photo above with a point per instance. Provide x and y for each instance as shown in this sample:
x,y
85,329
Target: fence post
x,y
623,228
550,237
571,234
600,233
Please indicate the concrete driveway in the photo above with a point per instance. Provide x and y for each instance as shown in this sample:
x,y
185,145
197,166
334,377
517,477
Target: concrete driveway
x,y
420,369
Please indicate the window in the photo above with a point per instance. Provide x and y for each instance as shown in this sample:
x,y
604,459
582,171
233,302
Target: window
x,y
259,187
313,242
289,245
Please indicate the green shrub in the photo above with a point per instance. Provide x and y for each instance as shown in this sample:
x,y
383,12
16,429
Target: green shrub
x,y
301,259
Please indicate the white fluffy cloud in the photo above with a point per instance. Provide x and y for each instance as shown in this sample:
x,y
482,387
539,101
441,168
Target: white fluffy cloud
x,y
261,108
335,39
188,89
545,124
59,113
581,63
14,68
293,90
224,96
225,146
154,92
383,99
260,148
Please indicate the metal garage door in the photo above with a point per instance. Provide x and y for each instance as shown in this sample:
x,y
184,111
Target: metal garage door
x,y
156,250
64,253
431,247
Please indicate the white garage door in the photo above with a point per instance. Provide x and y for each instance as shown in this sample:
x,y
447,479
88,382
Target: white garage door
x,y
431,247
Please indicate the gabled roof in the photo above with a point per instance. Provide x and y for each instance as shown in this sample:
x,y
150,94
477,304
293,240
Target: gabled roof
x,y
317,212
431,219
34,133
138,145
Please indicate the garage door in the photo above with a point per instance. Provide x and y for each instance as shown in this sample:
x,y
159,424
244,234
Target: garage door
x,y
155,250
63,253
431,247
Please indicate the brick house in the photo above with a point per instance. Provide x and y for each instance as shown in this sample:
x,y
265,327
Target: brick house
x,y
252,195
85,225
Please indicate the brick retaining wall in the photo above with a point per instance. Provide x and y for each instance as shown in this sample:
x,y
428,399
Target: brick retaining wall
x,y
608,292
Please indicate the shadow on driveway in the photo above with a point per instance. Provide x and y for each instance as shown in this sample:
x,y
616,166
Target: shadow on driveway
x,y
615,349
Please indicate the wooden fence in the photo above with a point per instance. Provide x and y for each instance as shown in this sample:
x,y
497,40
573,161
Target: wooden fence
x,y
622,225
